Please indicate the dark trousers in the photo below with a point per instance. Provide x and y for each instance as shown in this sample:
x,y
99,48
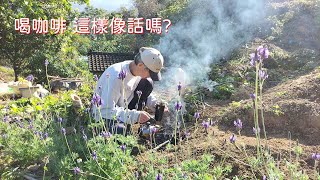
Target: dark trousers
x,y
146,87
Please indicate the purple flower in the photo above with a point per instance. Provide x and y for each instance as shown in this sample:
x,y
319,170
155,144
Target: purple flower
x,y
264,177
21,125
205,124
30,126
76,170
46,62
100,102
153,130
122,74
94,155
106,134
178,106
95,77
259,49
315,156
36,133
196,115
30,78
252,62
255,131
238,124
264,52
159,177
45,135
94,99
139,93
263,74
97,100
123,147
255,57
252,96
63,131
5,119
60,119
233,138
179,86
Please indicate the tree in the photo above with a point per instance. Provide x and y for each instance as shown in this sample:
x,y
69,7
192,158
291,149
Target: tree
x,y
19,49
122,43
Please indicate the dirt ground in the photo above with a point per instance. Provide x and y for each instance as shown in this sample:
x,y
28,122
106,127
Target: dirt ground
x,y
291,111
216,142
291,106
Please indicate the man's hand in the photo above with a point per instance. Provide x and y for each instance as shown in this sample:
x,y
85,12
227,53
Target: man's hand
x,y
144,117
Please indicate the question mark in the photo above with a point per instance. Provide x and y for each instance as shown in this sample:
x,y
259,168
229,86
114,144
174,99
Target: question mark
x,y
168,25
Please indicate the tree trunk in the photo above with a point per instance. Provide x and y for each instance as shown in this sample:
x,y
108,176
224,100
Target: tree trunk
x,y
15,70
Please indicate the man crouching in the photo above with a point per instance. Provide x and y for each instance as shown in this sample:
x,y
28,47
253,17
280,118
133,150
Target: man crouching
x,y
125,88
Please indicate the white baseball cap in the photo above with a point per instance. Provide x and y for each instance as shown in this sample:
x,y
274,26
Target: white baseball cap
x,y
153,59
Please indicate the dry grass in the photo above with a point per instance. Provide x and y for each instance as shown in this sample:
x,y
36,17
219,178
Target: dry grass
x,y
6,74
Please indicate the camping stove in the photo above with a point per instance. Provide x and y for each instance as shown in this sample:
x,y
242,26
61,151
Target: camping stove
x,y
150,127
168,119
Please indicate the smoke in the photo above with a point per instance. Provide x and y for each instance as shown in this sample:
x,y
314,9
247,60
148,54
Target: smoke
x,y
208,31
